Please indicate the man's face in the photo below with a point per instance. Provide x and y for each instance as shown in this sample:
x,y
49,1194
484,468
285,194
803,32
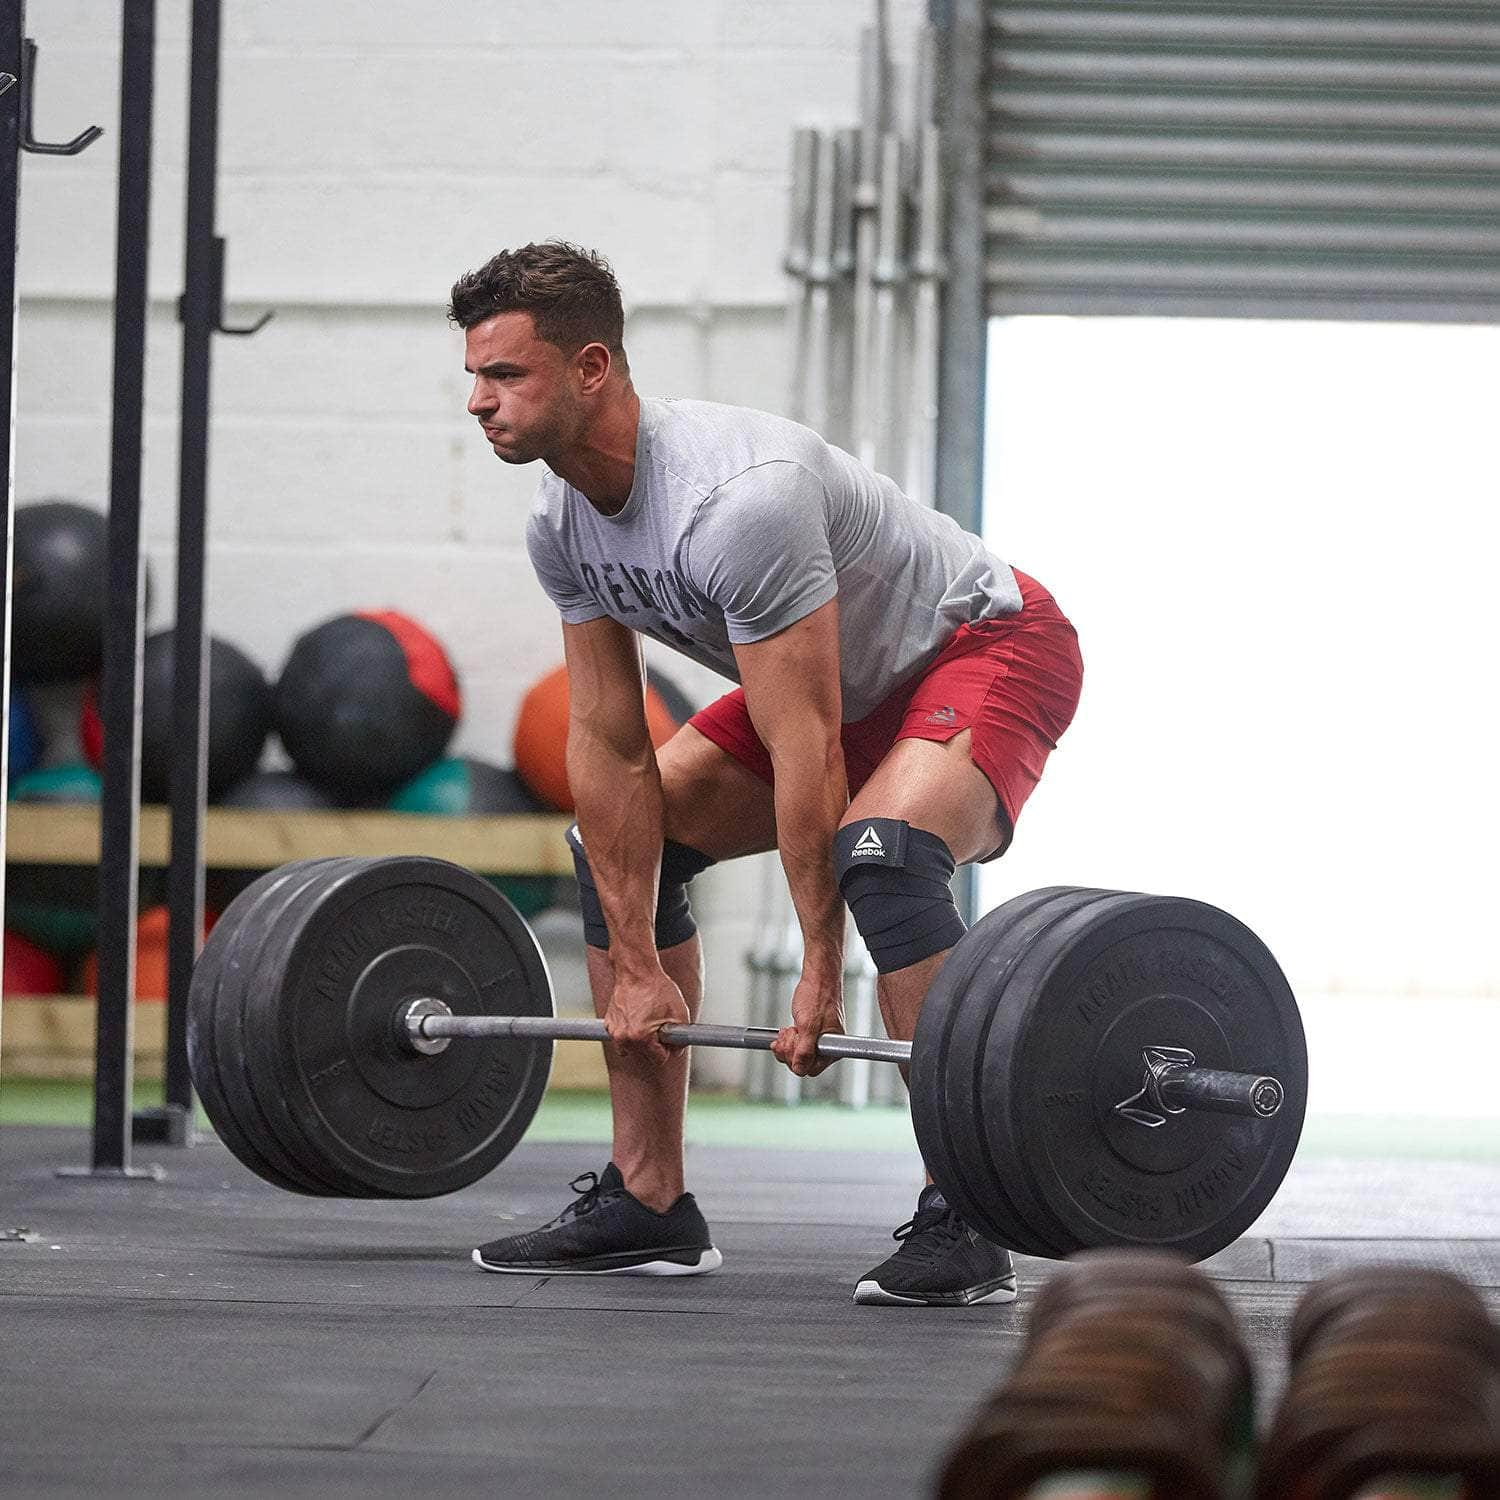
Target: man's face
x,y
525,390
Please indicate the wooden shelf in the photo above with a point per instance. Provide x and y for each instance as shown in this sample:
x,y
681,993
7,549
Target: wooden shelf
x,y
239,838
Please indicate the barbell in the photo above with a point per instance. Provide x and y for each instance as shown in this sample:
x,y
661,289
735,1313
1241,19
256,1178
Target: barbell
x,y
1090,1067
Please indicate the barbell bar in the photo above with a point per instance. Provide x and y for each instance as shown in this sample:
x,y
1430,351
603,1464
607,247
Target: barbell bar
x,y
426,1026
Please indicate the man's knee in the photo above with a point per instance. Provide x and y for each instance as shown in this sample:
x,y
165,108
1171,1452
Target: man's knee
x,y
674,916
896,880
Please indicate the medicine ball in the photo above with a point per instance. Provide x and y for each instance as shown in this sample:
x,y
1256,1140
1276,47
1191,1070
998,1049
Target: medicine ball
x,y
25,738
239,717
68,783
541,741
365,701
465,786
150,955
68,930
56,906
60,590
30,969
283,790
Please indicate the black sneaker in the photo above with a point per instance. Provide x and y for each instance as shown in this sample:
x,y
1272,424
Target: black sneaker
x,y
606,1231
941,1263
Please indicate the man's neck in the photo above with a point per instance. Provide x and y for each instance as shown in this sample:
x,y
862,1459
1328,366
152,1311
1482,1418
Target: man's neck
x,y
601,466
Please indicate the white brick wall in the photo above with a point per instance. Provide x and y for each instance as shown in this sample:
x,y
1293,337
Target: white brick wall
x,y
369,152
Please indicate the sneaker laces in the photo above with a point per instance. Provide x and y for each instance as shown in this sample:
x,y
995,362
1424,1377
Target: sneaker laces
x,y
941,1226
589,1188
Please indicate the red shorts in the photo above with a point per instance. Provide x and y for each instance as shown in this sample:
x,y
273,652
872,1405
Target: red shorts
x,y
1014,682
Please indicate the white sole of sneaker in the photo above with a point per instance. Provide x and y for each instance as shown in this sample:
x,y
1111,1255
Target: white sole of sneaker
x,y
710,1260
872,1294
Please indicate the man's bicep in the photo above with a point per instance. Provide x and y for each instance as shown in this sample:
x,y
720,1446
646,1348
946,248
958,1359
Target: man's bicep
x,y
791,679
605,689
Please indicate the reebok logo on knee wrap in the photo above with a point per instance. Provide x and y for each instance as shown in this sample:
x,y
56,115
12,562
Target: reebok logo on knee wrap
x,y
895,880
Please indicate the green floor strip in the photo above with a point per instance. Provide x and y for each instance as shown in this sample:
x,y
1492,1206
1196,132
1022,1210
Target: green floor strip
x,y
565,1115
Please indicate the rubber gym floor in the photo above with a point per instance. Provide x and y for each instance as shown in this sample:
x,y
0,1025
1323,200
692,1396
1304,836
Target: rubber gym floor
x,y
209,1334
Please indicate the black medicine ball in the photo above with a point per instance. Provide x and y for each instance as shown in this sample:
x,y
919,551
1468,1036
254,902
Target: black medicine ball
x,y
60,590
239,716
366,701
282,790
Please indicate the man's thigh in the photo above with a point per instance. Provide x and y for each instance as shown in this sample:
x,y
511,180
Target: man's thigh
x,y
935,786
713,804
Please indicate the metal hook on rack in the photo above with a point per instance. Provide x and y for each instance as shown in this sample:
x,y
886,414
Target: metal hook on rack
x,y
219,324
29,142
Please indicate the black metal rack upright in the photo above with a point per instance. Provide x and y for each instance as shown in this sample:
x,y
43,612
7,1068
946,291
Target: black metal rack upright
x,y
201,312
12,40
120,694
18,69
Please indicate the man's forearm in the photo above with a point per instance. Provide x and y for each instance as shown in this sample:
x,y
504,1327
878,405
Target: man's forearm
x,y
812,794
618,805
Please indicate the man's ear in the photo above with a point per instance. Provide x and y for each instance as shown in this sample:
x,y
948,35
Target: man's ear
x,y
593,363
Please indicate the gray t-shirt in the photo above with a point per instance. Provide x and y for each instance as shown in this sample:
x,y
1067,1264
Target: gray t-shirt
x,y
739,523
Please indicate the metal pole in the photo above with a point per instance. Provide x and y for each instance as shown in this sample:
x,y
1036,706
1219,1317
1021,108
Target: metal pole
x,y
965,320
866,230
12,40
840,427
887,275
860,1006
121,694
959,481
200,312
928,270
820,283
798,251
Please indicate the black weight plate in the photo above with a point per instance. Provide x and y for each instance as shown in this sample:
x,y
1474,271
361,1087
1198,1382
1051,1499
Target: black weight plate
x,y
203,1068
940,1130
335,973
251,998
250,1084
945,1088
229,1025
1078,1011
207,1068
1005,943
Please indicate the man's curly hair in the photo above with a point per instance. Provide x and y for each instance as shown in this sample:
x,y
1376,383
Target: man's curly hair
x,y
571,294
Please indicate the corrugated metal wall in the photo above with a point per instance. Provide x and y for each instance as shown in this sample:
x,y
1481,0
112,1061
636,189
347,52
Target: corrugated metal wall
x,y
1272,160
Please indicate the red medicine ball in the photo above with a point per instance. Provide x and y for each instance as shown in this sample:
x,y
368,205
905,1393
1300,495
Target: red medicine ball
x,y
30,970
365,701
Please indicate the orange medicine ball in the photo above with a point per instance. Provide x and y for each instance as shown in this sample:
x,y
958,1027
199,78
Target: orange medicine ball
x,y
542,737
150,955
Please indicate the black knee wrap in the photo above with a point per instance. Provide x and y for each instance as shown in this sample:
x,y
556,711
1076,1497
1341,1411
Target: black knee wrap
x,y
674,917
895,879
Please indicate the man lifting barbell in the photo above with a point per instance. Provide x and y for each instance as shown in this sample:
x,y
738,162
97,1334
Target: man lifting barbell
x,y
900,690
